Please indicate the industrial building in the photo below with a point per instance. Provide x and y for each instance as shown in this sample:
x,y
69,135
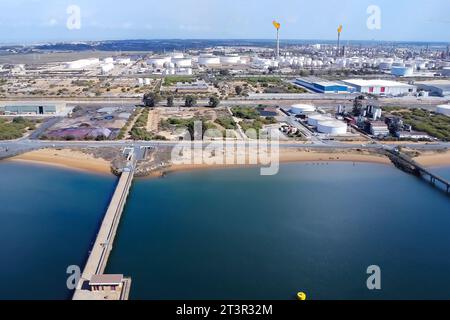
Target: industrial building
x,y
322,86
379,128
192,87
381,87
83,63
440,88
20,108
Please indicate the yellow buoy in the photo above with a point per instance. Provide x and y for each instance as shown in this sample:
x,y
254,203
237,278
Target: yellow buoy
x,y
301,296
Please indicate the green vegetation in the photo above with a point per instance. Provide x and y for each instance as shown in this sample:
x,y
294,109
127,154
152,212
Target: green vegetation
x,y
139,131
15,129
130,120
151,99
391,109
172,80
435,125
262,80
170,101
214,102
190,102
227,122
245,113
188,124
286,88
83,83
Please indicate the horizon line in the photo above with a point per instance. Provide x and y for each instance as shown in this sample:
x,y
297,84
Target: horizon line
x,y
43,42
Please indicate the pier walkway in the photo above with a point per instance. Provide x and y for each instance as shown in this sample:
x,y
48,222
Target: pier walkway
x,y
98,258
406,164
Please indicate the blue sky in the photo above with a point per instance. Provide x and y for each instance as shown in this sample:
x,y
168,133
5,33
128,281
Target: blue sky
x,y
45,20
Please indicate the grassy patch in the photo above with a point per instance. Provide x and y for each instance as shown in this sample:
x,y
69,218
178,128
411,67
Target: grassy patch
x,y
172,80
15,129
435,125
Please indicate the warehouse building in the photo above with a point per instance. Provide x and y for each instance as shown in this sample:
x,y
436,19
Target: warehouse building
x,y
322,86
440,88
43,108
381,87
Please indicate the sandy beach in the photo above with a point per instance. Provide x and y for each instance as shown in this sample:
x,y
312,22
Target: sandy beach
x,y
73,159
434,159
66,158
291,156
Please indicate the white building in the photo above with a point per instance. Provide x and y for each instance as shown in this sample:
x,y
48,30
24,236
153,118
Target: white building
x,y
381,87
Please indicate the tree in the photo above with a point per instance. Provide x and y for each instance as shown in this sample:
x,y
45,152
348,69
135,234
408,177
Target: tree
x,y
170,103
238,90
190,102
151,99
214,102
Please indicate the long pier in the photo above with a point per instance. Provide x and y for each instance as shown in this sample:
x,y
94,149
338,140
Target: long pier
x,y
408,165
107,287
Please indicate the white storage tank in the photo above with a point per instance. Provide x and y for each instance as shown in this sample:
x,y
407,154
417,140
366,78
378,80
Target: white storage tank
x,y
158,62
230,59
316,118
208,60
444,109
300,109
177,55
332,127
182,62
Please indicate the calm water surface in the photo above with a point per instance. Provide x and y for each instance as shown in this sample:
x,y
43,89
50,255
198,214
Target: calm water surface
x,y
232,234
48,220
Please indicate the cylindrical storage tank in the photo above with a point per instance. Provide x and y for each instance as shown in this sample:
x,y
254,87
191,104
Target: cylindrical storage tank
x,y
158,62
207,60
444,109
230,59
316,118
182,62
300,109
177,55
332,127
402,71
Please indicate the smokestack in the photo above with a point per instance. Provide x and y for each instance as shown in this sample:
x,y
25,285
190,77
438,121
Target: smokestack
x,y
277,26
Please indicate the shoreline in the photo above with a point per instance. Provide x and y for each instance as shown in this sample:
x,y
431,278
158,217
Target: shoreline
x,y
66,159
77,160
288,157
